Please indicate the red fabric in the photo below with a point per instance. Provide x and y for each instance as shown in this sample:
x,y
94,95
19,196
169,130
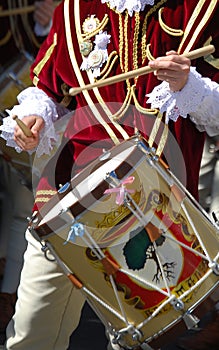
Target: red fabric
x,y
83,128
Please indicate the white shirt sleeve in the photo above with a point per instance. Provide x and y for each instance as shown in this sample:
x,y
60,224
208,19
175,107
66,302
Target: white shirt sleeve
x,y
33,101
42,31
199,99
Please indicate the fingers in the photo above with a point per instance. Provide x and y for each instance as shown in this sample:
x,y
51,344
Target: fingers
x,y
35,124
43,12
26,144
172,68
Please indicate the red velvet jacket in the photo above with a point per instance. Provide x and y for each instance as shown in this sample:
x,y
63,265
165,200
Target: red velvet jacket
x,y
168,25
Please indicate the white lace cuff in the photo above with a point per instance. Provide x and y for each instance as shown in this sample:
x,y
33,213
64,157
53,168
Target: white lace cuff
x,y
199,99
32,101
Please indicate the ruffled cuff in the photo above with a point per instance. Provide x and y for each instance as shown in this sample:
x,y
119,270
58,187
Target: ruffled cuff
x,y
180,103
32,101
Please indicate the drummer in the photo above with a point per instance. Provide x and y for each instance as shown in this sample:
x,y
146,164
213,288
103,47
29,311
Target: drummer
x,y
18,40
91,40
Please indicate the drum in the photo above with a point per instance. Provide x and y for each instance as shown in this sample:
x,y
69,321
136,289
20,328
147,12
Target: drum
x,y
21,163
135,242
14,79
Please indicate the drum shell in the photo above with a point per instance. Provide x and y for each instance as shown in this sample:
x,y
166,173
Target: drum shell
x,y
14,79
194,280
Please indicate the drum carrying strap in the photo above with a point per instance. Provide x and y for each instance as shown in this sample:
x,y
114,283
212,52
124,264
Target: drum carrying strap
x,y
153,134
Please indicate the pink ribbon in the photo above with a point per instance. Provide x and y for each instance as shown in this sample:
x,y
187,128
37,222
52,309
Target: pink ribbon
x,y
121,190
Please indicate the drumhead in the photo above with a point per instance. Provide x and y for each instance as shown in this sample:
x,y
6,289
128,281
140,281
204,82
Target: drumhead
x,y
89,181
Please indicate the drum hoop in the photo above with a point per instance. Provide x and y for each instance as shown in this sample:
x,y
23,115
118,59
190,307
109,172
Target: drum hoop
x,y
78,208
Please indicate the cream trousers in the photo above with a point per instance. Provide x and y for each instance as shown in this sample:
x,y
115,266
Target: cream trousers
x,y
48,308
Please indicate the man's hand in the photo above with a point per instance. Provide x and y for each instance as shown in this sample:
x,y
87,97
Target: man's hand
x,y
172,68
35,124
43,12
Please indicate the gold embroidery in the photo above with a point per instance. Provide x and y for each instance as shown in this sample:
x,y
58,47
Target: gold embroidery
x,y
139,107
46,192
154,132
47,56
144,28
124,65
120,113
42,199
163,140
108,67
100,26
80,78
121,43
135,42
90,24
167,29
148,53
155,129
43,196
35,81
124,58
125,35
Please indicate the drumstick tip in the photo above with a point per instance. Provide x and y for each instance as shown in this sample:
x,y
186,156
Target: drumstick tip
x,y
74,91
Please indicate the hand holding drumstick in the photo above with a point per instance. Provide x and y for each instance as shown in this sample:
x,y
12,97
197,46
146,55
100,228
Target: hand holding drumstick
x,y
173,68
164,65
26,132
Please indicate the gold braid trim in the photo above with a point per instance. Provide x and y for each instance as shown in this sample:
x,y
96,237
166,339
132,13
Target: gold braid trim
x,y
46,192
126,42
163,140
121,42
139,107
155,129
148,53
102,24
47,56
135,42
43,196
79,76
108,67
144,28
168,30
120,113
42,199
153,134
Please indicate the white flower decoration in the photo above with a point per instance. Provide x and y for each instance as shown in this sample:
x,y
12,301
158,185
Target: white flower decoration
x,y
130,5
98,55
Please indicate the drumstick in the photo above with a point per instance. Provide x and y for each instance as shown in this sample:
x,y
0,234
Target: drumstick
x,y
203,51
19,10
27,132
